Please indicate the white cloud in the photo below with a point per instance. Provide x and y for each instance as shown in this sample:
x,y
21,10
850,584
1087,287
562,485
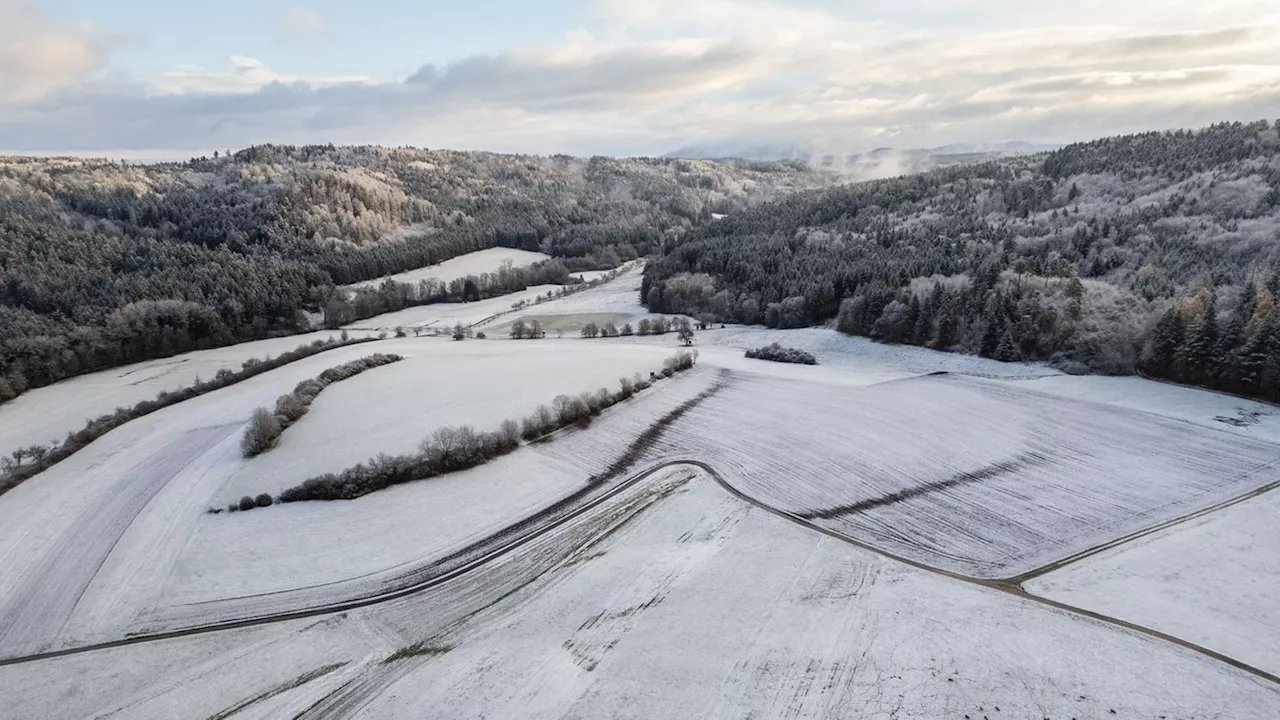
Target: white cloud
x,y
300,26
246,75
38,55
648,77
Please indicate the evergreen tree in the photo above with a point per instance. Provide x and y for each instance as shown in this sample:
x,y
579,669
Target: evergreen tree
x,y
1200,353
1161,353
1007,350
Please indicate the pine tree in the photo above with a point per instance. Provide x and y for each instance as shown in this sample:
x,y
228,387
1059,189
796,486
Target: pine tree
x,y
1161,353
1200,353
1007,350
923,330
995,325
945,336
1251,362
911,320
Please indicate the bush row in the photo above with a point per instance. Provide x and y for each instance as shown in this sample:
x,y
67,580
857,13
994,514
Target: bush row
x,y
778,353
265,427
647,326
15,468
450,449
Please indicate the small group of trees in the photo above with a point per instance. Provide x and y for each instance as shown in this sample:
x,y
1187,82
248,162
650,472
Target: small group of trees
x,y
450,449
265,427
658,326
527,330
13,470
608,330
777,353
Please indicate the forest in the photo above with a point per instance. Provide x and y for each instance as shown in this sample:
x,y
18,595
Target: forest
x,y
105,263
1155,253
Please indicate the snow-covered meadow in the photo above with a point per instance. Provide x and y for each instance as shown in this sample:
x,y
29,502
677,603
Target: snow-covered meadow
x,y
475,263
673,597
47,414
1213,580
967,475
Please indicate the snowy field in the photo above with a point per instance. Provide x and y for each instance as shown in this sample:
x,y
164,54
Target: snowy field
x,y
1216,410
1213,580
476,263
967,475
636,594
136,496
47,414
674,599
441,382
620,295
445,315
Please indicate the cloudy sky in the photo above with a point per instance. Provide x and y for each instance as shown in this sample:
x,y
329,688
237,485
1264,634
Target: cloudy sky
x,y
133,77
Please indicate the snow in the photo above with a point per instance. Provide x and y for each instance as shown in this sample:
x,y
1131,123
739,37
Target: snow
x,y
445,315
475,263
675,599
136,496
47,414
672,598
967,475
620,296
1213,580
590,275
440,382
1216,410
859,353
302,545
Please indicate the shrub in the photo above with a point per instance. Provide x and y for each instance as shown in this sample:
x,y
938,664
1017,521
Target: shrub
x,y
246,503
777,353
263,500
480,335
261,434
644,327
627,331
509,432
290,407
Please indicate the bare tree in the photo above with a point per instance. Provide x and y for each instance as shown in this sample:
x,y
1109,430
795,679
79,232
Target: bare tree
x,y
684,332
261,433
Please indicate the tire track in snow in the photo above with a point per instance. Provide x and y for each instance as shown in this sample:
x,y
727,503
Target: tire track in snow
x,y
1004,586
598,491
40,605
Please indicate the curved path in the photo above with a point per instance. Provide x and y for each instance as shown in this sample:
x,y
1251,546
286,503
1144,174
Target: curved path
x,y
581,503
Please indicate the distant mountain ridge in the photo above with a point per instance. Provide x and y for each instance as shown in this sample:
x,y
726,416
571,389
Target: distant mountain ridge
x,y
878,163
